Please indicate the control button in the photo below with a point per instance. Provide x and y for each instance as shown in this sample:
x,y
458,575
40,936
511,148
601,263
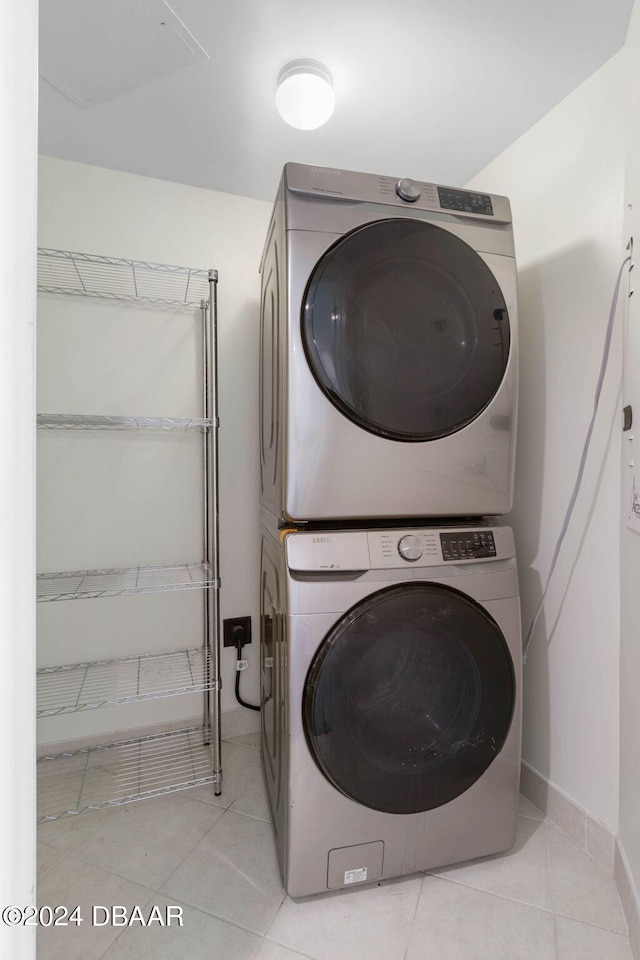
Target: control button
x,y
409,547
407,190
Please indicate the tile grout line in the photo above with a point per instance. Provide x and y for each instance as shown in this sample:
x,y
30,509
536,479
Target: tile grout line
x,y
550,868
206,912
159,891
556,950
295,950
499,896
43,873
116,811
551,895
128,879
229,808
592,926
197,843
413,918
524,903
415,912
124,930
240,813
216,916
282,903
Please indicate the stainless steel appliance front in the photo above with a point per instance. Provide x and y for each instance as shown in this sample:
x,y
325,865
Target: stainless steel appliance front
x,y
388,350
391,699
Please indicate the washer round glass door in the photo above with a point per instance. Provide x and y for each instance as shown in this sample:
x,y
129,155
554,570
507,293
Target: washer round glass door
x,y
406,330
409,698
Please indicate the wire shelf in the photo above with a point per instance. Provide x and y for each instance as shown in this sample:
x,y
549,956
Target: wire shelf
x,y
111,278
112,774
77,421
102,683
90,584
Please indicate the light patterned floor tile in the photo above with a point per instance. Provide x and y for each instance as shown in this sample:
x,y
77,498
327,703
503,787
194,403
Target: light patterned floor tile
x,y
226,876
201,937
47,857
73,882
455,922
232,873
252,799
66,834
248,739
581,888
147,840
240,765
580,941
521,873
275,951
371,922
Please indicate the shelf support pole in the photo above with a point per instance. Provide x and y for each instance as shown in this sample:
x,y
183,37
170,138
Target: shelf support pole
x,y
212,718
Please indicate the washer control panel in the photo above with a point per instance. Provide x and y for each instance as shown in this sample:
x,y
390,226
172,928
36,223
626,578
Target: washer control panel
x,y
467,545
335,552
432,547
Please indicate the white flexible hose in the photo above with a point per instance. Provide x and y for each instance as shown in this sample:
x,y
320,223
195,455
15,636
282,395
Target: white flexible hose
x,y
583,459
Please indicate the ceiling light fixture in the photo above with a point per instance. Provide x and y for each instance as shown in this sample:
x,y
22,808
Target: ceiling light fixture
x,y
304,96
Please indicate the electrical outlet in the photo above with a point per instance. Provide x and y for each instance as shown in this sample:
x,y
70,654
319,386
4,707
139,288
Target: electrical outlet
x,y
229,629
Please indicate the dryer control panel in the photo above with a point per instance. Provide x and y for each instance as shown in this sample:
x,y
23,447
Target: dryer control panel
x,y
329,183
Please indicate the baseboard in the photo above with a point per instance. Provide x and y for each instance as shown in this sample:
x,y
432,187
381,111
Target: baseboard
x,y
590,834
628,897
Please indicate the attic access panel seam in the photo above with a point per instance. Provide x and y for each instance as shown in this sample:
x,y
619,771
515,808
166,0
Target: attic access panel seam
x,y
93,50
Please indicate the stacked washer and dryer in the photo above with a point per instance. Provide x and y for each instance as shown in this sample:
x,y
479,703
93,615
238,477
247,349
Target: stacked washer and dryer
x,y
390,615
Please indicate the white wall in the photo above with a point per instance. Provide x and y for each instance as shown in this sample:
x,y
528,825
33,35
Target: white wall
x,y
630,609
18,79
123,499
565,181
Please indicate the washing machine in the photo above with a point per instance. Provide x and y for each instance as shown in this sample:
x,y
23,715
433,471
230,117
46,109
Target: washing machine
x,y
391,699
388,349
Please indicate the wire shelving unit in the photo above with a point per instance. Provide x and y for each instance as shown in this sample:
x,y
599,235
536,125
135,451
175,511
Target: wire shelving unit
x,y
100,683
95,778
109,774
78,421
112,278
127,581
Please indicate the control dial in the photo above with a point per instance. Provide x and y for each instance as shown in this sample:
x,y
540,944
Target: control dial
x,y
410,547
407,190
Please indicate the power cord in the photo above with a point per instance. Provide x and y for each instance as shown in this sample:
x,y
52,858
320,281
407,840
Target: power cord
x,y
238,634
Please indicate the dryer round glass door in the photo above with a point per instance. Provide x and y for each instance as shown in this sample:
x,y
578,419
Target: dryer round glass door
x,y
406,330
409,698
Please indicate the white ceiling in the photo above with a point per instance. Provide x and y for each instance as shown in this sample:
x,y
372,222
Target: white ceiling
x,y
428,89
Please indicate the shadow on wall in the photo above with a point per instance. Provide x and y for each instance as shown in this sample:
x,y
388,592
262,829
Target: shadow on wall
x,y
239,409
560,299
238,350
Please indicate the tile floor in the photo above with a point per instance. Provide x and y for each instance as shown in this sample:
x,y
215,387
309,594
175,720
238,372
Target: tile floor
x,y
214,857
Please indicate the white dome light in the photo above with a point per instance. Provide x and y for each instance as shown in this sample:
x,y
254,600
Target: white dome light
x,y
305,97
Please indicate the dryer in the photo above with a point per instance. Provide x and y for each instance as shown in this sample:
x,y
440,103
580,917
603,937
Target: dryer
x,y
391,699
388,349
